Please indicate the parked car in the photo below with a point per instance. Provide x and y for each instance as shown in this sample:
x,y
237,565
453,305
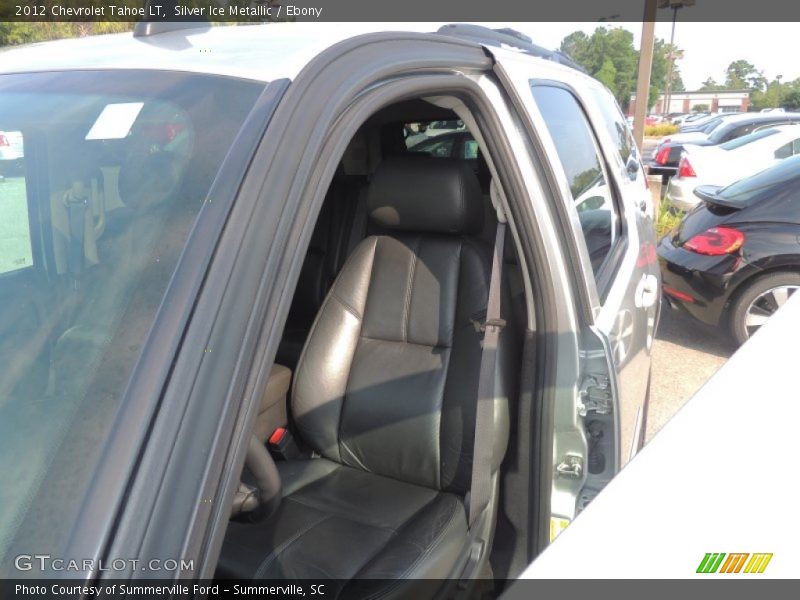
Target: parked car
x,y
667,154
458,144
694,117
729,162
735,258
143,413
700,123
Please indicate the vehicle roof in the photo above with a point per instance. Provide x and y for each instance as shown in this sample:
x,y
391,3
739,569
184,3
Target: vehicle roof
x,y
782,133
742,118
263,52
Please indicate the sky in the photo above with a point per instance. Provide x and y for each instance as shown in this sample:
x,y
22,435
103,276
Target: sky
x,y
708,47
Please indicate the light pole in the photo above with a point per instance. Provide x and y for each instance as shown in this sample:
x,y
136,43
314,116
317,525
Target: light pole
x,y
675,5
645,66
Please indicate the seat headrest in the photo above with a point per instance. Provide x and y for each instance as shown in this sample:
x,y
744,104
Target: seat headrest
x,y
425,194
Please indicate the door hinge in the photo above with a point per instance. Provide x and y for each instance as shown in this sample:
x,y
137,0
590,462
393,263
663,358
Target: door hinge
x,y
595,395
570,466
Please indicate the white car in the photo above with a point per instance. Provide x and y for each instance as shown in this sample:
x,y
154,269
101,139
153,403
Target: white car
x,y
688,137
731,161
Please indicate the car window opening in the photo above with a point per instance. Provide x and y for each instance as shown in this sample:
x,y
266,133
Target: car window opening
x,y
389,310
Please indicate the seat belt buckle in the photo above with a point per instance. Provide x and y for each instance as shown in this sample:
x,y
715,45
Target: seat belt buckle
x,y
282,445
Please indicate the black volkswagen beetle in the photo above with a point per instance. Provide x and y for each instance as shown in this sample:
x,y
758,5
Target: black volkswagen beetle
x,y
735,259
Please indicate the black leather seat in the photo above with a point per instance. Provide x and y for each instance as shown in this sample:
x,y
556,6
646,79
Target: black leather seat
x,y
385,395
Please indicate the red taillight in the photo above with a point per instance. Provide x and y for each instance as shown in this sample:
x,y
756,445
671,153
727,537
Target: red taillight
x,y
685,168
676,294
716,241
663,156
4,141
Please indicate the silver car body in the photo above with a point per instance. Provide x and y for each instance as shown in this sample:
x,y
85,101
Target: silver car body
x,y
604,365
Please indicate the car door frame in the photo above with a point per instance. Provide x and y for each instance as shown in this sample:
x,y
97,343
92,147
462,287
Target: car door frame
x,y
180,440
598,311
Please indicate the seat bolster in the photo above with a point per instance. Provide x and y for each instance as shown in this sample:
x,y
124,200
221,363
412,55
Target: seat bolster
x,y
425,547
324,367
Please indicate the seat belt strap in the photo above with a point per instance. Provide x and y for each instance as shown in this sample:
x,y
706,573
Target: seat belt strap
x,y
76,214
358,230
480,490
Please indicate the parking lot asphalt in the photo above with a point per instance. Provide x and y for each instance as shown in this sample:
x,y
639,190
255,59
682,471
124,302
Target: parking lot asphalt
x,y
686,354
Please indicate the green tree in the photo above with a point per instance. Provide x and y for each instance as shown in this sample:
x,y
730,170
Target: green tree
x,y
13,33
607,74
791,99
710,85
609,55
743,75
771,97
604,46
658,74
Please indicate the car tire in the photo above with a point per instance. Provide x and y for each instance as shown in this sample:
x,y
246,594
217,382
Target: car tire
x,y
758,300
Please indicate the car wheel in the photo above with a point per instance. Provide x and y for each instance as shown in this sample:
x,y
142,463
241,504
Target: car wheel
x,y
759,300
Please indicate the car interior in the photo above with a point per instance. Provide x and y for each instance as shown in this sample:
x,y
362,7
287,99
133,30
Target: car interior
x,y
360,464
370,410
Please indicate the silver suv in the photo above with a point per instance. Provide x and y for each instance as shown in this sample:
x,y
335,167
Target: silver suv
x,y
248,332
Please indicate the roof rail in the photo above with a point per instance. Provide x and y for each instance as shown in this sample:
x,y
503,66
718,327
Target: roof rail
x,y
148,27
507,37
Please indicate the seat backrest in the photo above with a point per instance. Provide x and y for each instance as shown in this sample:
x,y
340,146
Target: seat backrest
x,y
388,378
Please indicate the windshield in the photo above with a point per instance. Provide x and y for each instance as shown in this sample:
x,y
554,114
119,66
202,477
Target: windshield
x,y
746,139
763,183
102,176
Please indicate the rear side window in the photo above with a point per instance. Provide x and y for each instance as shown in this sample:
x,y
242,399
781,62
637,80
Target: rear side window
x,y
788,150
615,123
785,151
584,167
784,173
746,139
437,138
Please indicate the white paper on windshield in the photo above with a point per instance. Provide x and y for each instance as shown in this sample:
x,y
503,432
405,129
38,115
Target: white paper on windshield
x,y
115,122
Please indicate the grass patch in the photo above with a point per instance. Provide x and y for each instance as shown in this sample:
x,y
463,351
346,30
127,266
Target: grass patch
x,y
660,130
668,218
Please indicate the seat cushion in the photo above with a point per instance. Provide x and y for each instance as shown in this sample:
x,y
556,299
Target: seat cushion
x,y
340,523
